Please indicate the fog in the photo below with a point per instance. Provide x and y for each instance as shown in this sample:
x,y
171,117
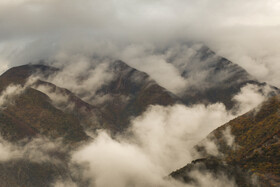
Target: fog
x,y
244,32
159,141
83,37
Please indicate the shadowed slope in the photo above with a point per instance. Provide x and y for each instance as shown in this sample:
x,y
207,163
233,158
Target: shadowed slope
x,y
212,78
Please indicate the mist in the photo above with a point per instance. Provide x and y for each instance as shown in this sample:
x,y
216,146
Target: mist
x,y
159,142
160,38
244,32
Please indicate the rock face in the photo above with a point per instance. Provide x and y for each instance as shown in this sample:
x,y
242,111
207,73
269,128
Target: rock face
x,y
256,144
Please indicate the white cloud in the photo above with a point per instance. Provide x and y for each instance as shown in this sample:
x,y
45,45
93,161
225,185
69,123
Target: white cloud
x,y
39,149
4,65
71,32
80,77
59,99
144,59
159,142
8,95
250,97
5,151
62,183
244,32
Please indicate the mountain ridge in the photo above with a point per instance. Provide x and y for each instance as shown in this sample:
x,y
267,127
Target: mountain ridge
x,y
35,112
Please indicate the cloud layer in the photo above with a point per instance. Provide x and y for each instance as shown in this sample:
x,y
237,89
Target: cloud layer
x,y
145,34
158,142
244,32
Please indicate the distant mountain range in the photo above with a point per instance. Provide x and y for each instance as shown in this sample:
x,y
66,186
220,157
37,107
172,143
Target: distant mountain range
x,y
34,113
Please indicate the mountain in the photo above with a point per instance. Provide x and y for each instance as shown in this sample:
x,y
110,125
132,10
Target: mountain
x,y
33,113
217,168
19,75
256,144
211,78
42,109
114,114
131,92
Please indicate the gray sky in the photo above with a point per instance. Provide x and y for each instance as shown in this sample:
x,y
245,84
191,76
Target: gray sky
x,y
246,32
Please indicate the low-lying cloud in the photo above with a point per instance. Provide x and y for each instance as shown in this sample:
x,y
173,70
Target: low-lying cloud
x,y
158,142
12,91
250,97
148,36
244,32
83,77
8,95
39,149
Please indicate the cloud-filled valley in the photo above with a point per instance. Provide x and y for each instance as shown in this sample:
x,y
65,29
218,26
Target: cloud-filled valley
x,y
157,142
125,93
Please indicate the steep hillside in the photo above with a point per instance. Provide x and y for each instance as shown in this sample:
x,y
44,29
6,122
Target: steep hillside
x,y
18,173
35,111
89,116
131,92
212,78
29,114
257,138
214,167
18,75
43,109
256,143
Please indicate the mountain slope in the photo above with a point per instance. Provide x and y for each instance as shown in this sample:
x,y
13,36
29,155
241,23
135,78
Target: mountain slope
x,y
130,93
19,75
257,135
214,167
18,173
34,113
256,143
44,109
34,110
211,78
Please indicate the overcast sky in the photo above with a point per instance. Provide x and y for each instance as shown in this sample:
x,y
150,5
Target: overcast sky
x,y
246,32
